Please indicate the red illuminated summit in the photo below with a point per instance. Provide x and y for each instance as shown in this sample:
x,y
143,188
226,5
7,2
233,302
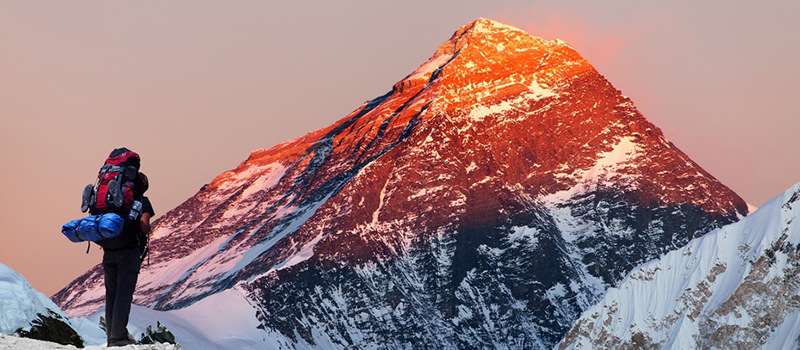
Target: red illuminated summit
x,y
485,201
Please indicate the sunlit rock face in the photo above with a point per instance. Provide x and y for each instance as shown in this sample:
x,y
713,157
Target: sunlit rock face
x,y
484,202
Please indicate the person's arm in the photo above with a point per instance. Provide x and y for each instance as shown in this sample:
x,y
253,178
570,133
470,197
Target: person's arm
x,y
144,223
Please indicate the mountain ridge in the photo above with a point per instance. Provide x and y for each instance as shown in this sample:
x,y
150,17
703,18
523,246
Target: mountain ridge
x,y
735,287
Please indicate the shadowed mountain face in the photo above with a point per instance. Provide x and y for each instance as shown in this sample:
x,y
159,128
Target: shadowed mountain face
x,y
485,201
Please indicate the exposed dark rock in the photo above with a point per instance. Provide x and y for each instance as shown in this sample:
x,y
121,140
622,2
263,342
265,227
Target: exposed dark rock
x,y
53,328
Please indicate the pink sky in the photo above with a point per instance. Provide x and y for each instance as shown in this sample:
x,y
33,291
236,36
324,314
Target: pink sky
x,y
194,87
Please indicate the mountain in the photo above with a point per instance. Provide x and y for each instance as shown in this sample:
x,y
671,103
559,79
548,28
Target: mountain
x,y
25,312
734,288
488,199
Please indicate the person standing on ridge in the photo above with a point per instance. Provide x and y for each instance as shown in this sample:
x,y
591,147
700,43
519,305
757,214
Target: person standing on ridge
x,y
121,266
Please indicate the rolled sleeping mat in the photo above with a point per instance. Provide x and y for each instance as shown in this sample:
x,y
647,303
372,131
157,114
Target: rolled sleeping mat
x,y
94,227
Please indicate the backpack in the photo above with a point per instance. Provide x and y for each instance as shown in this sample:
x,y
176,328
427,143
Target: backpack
x,y
113,191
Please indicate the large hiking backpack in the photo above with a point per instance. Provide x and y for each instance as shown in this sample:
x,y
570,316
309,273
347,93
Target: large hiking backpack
x,y
114,204
113,191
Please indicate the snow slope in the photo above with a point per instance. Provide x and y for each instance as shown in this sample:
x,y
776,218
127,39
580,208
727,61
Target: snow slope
x,y
735,287
222,321
14,343
19,302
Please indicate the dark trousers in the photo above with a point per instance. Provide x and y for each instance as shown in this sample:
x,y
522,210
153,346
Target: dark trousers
x,y
121,269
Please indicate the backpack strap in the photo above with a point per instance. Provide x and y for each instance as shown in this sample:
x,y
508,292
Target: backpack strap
x,y
145,254
126,172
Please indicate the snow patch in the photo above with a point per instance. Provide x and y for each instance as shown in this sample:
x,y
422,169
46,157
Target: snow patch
x,y
524,235
268,178
606,170
250,172
472,166
429,67
381,197
535,92
304,254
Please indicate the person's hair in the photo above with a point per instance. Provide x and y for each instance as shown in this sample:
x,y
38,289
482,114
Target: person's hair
x,y
141,183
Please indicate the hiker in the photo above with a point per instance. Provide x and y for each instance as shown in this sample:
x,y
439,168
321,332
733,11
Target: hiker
x,y
120,224
121,266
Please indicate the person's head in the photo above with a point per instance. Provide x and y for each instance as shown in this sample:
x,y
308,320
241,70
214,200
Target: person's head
x,y
141,183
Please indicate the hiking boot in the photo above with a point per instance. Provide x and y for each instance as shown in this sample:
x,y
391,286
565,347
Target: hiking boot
x,y
87,197
119,342
116,193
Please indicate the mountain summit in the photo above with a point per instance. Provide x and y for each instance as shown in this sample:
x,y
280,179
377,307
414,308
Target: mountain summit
x,y
485,201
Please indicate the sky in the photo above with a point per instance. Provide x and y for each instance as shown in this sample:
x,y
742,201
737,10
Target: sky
x,y
195,86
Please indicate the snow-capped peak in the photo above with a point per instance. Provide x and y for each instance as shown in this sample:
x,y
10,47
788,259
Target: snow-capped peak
x,y
488,26
735,287
425,215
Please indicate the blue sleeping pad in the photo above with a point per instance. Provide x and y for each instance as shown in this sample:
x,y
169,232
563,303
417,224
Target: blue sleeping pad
x,y
93,228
